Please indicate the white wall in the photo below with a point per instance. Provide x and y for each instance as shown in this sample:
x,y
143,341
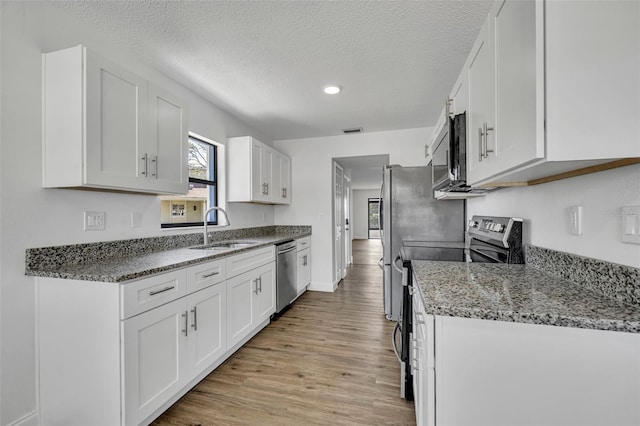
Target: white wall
x,y
34,217
545,209
361,212
312,177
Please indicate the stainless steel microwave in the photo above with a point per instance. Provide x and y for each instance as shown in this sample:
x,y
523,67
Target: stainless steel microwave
x,y
449,156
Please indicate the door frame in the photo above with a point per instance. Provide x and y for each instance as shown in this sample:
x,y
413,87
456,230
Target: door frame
x,y
338,224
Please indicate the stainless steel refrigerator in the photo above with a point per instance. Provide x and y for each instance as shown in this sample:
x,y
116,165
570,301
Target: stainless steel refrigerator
x,y
410,213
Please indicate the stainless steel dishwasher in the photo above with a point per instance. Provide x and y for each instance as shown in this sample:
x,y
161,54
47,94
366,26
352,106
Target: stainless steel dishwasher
x,y
286,274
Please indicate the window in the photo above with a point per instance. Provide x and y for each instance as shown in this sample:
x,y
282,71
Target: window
x,y
374,219
187,210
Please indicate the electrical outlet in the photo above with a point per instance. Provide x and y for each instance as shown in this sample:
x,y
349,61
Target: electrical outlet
x,y
93,221
136,219
575,220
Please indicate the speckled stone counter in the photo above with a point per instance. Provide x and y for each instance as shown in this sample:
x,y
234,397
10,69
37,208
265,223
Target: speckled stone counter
x,y
124,260
518,293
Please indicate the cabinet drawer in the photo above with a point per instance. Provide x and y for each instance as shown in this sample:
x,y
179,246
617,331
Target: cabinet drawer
x,y
303,243
250,260
145,294
205,275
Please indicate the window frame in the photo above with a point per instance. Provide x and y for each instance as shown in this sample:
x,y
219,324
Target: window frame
x,y
212,186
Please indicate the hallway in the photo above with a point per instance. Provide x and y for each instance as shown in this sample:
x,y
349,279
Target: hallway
x,y
326,361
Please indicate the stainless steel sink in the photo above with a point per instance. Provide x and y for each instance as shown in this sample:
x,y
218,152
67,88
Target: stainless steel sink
x,y
224,245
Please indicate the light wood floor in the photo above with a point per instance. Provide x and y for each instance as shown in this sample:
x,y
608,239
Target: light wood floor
x,y
326,361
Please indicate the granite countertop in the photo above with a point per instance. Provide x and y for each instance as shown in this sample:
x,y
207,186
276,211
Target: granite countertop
x,y
126,267
518,293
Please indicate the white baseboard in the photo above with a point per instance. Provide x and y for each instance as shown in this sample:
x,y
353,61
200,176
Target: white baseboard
x,y
324,286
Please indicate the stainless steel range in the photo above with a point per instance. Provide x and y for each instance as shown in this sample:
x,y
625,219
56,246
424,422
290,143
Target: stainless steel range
x,y
495,240
490,239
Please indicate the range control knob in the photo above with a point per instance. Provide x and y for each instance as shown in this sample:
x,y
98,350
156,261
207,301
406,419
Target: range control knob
x,y
499,227
473,224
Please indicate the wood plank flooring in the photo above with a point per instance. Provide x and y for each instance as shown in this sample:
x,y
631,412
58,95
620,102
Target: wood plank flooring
x,y
326,361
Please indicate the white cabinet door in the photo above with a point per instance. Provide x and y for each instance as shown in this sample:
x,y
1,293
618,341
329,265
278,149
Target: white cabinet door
x,y
481,115
519,123
265,298
275,192
258,187
460,94
303,269
266,173
207,328
154,355
240,310
116,113
282,178
166,152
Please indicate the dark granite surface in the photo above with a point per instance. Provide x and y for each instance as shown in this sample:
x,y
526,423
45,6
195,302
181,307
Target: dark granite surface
x,y
124,260
518,293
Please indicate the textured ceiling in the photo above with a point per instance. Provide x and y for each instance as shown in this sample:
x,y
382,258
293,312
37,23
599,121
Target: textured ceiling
x,y
266,62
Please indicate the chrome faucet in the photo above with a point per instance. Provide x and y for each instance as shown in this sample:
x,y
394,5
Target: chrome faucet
x,y
204,219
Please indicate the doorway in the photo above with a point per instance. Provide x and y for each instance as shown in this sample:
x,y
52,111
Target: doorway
x,y
373,217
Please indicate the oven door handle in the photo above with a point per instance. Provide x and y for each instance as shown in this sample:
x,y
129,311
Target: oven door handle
x,y
396,328
485,256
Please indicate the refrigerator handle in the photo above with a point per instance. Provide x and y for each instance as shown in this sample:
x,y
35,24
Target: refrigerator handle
x,y
395,264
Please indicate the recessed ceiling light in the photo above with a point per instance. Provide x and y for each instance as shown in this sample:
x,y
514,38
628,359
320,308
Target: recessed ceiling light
x,y
332,90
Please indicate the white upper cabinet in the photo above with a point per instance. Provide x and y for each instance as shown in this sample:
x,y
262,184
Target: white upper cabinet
x,y
107,128
257,173
481,114
559,65
282,178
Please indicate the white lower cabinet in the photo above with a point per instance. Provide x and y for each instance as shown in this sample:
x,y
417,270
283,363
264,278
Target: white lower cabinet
x,y
250,300
303,269
155,359
120,354
208,327
483,372
166,347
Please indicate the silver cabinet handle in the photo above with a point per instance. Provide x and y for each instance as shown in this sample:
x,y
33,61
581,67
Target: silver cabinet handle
x,y
210,274
481,144
185,330
256,283
155,167
484,136
267,184
145,158
260,282
194,311
154,292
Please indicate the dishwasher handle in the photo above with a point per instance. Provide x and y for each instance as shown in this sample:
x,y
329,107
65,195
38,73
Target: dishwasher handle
x,y
286,250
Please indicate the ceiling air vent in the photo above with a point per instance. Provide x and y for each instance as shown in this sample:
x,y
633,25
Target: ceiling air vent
x,y
352,130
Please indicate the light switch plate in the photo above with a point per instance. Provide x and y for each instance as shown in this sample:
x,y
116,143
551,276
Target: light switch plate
x,y
575,220
631,224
